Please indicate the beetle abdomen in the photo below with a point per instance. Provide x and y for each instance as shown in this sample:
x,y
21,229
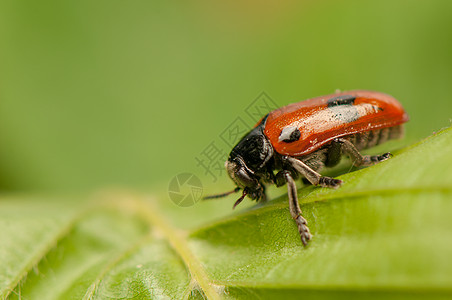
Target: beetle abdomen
x,y
331,154
369,139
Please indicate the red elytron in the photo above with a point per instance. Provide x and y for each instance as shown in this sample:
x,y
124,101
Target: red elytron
x,y
302,138
322,119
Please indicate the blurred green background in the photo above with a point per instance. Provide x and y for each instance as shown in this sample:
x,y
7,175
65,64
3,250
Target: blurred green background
x,y
100,93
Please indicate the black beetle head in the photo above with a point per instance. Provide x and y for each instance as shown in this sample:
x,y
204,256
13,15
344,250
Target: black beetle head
x,y
247,162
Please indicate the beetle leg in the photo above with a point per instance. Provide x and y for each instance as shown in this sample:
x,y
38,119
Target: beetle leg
x,y
280,179
358,158
264,198
311,175
295,210
333,156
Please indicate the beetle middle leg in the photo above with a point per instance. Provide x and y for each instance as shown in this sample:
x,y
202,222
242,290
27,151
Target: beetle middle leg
x,y
359,159
295,210
311,175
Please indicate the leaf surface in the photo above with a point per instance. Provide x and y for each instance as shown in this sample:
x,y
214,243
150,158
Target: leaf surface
x,y
384,233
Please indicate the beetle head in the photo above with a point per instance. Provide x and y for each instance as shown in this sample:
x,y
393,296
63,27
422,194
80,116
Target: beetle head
x,y
247,162
242,176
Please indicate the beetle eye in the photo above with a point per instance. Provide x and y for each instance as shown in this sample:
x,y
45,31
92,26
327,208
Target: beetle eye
x,y
245,178
239,173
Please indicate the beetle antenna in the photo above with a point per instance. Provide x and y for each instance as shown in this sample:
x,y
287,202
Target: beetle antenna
x,y
221,195
240,199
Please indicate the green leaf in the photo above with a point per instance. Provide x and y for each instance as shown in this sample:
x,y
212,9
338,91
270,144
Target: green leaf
x,y
385,233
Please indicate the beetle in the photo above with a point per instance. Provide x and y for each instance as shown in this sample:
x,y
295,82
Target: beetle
x,y
302,138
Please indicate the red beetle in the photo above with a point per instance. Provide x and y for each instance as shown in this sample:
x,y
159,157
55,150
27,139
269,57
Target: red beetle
x,y
302,138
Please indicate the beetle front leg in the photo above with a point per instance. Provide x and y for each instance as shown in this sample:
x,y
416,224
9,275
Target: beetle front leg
x,y
358,158
295,210
311,175
264,198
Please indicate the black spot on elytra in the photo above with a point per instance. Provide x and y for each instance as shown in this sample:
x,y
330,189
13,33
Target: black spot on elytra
x,y
293,137
341,100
